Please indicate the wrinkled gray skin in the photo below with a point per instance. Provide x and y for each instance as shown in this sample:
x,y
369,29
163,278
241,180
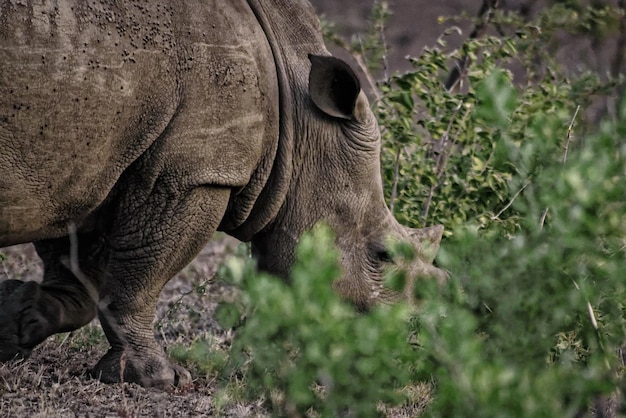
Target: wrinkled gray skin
x,y
145,128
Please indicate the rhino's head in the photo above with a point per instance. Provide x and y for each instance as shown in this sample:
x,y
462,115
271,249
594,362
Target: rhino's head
x,y
337,179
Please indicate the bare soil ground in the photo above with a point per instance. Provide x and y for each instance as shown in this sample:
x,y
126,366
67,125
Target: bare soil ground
x,y
54,381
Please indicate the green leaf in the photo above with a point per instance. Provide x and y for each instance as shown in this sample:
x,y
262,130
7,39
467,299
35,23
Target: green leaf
x,y
228,315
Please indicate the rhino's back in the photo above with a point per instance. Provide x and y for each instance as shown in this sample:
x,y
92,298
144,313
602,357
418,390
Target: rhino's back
x,y
86,87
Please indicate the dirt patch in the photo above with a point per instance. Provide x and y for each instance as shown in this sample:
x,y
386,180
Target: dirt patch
x,y
54,381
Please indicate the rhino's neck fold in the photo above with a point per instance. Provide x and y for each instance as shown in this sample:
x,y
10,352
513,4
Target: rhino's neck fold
x,y
290,45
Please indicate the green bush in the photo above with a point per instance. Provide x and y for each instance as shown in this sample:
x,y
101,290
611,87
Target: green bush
x,y
303,348
537,325
532,194
443,160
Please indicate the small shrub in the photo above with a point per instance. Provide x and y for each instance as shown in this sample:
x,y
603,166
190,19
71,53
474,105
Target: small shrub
x,y
443,160
202,357
303,348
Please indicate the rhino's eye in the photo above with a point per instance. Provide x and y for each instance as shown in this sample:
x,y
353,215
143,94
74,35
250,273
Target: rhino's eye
x,y
384,256
378,253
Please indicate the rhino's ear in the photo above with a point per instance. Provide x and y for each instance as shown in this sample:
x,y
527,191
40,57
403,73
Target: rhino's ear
x,y
333,86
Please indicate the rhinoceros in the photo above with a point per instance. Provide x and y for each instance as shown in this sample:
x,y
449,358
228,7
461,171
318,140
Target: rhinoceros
x,y
131,131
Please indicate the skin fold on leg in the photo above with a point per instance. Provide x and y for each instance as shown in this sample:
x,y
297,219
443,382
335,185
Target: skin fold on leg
x,y
149,242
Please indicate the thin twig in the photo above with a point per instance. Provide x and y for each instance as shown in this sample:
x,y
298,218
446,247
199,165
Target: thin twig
x,y
568,140
74,267
396,178
443,154
508,205
590,312
592,315
446,146
429,199
383,41
569,135
542,220
620,48
484,16
362,63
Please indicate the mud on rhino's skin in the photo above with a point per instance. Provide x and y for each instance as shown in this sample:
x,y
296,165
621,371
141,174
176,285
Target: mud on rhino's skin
x,y
145,127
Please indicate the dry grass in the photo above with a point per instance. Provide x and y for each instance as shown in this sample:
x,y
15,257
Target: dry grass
x,y
54,381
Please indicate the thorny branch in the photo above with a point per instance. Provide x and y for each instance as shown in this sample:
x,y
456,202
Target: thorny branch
x,y
508,205
620,49
445,147
568,140
396,177
92,291
484,16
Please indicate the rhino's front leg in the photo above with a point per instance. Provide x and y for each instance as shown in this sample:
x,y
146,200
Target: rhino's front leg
x,y
31,311
151,242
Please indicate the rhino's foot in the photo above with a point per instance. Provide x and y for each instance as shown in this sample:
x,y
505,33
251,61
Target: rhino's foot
x,y
26,319
146,369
